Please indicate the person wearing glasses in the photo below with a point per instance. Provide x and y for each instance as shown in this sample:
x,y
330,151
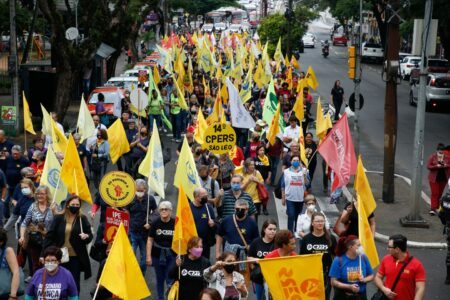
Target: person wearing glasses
x,y
412,283
159,244
52,282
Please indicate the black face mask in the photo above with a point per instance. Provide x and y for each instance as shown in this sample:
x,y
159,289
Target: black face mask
x,y
240,212
198,152
204,200
204,177
229,268
74,209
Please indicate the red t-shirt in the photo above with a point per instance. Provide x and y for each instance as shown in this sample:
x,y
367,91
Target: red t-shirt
x,y
275,253
238,157
406,286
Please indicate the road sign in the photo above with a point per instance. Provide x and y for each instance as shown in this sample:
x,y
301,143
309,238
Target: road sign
x,y
112,222
219,138
117,188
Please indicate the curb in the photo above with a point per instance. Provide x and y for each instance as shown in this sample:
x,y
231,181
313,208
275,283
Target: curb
x,y
384,238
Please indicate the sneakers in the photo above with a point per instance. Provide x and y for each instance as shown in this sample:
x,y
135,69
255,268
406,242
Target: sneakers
x,y
432,212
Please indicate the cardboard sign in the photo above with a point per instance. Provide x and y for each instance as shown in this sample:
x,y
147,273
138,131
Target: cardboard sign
x,y
219,138
112,221
117,188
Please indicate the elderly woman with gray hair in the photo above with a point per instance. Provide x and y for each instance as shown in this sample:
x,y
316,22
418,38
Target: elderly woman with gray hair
x,y
37,164
141,209
159,243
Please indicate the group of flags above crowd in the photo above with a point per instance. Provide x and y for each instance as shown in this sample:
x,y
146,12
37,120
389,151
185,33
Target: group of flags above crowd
x,y
244,56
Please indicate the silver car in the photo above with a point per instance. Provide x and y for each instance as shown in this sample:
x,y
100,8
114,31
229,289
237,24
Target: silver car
x,y
437,90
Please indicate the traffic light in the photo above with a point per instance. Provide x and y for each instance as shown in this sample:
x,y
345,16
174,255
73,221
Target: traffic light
x,y
351,62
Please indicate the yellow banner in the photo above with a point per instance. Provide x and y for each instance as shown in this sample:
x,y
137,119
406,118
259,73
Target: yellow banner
x,y
294,277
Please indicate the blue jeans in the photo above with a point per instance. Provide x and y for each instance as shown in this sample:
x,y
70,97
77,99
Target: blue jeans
x,y
176,126
1,213
293,209
260,291
274,161
138,241
158,122
162,274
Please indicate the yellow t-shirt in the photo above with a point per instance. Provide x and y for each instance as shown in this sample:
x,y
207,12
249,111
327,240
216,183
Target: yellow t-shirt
x,y
252,187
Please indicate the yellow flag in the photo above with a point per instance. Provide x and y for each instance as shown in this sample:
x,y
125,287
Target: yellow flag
x,y
118,143
286,60
287,279
365,234
274,128
51,177
362,188
301,141
156,76
224,94
186,174
299,109
311,78
218,114
180,94
59,140
121,274
200,128
152,166
27,123
321,123
184,224
278,56
289,79
85,123
259,76
46,123
190,71
295,63
72,173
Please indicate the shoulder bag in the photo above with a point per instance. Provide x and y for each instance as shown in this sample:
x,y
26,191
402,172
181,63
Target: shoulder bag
x,y
379,295
6,277
263,194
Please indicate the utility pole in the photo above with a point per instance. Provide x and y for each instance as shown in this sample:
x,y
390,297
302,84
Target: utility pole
x,y
390,105
357,80
30,34
263,8
289,16
414,218
13,72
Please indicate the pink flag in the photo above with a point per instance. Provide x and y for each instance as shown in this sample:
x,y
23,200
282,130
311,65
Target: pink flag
x,y
338,151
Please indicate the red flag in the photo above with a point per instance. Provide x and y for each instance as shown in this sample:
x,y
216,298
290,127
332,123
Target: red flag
x,y
338,151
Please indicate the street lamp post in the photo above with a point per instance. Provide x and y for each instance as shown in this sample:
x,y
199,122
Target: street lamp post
x,y
13,71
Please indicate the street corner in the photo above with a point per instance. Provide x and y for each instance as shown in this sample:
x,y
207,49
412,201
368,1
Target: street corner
x,y
387,215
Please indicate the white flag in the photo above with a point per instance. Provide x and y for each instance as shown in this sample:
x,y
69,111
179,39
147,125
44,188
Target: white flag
x,y
85,123
240,117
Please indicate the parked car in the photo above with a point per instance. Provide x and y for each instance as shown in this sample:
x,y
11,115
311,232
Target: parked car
x,y
407,64
437,89
208,28
372,52
124,82
113,98
339,39
220,26
309,40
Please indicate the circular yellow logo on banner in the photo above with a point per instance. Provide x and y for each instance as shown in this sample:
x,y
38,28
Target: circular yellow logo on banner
x,y
117,188
219,138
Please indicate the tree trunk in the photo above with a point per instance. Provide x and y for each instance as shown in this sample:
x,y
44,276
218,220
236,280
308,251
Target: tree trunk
x,y
64,86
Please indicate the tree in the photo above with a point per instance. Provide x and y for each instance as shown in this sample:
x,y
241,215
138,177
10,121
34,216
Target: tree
x,y
274,26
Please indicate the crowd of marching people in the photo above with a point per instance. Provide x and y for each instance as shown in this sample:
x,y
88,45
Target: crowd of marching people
x,y
230,207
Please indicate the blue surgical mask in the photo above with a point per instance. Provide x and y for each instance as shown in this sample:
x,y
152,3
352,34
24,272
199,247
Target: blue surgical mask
x,y
296,164
236,186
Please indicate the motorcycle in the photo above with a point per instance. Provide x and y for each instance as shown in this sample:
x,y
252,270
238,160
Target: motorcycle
x,y
325,50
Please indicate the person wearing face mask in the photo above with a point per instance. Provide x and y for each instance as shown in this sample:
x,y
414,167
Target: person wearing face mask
x,y
293,185
138,149
71,231
319,240
141,209
230,197
37,164
224,278
27,190
209,184
189,270
304,220
53,280
99,157
204,216
236,233
255,142
350,270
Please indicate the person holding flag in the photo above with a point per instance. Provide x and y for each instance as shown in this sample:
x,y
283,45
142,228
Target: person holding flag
x,y
350,271
175,113
154,109
159,243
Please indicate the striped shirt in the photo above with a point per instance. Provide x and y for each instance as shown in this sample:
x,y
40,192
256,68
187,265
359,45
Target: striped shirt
x,y
229,200
35,216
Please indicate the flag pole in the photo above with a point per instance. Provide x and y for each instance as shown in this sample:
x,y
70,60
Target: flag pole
x,y
96,291
360,266
179,255
148,207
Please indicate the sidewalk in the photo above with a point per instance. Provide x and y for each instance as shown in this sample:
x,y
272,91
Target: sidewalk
x,y
387,215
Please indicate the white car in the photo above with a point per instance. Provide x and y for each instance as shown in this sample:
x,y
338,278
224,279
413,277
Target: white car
x,y
407,64
309,40
208,28
125,82
220,26
372,52
437,91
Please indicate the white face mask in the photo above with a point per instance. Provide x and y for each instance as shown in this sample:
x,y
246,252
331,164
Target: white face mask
x,y
360,250
50,266
26,191
140,194
311,207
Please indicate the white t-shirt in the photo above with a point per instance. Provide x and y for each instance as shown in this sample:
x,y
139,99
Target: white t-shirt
x,y
304,223
294,184
293,133
91,140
